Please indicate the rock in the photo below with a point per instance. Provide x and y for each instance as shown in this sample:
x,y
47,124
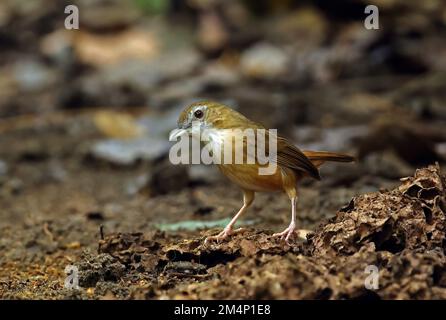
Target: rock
x,y
32,76
3,168
151,146
264,61
128,152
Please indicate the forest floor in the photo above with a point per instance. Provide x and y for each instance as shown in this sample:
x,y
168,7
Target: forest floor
x,y
82,212
86,187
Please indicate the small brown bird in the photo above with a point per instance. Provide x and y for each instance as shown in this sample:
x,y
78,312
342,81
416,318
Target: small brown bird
x,y
291,163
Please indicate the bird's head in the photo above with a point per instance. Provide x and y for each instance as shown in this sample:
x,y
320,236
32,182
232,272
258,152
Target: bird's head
x,y
209,115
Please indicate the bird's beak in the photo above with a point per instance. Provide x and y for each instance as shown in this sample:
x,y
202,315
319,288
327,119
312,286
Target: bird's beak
x,y
175,133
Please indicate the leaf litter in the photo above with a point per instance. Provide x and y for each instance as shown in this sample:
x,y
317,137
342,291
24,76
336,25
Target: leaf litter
x,y
400,231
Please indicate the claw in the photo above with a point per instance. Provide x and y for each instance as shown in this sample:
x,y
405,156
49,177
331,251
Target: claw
x,y
223,235
291,232
286,234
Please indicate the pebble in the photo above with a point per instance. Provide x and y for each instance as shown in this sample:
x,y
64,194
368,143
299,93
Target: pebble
x,y
3,168
264,61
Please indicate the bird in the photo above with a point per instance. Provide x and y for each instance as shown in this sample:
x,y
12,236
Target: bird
x,y
291,164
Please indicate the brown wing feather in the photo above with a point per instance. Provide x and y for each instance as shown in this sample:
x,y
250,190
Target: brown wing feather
x,y
318,158
289,156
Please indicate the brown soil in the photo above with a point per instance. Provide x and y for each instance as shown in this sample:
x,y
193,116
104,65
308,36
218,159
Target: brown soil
x,y
55,213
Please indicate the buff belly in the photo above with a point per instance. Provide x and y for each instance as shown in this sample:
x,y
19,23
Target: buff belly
x,y
247,176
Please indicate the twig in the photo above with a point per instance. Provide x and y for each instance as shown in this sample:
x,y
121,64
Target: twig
x,y
47,231
101,231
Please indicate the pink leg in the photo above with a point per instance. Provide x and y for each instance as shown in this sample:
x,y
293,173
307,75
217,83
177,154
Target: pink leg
x,y
248,198
289,232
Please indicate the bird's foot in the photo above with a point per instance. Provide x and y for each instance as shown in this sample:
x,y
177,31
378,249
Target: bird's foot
x,y
223,235
291,232
286,234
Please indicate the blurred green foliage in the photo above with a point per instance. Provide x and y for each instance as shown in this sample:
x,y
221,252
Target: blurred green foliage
x,y
192,225
153,6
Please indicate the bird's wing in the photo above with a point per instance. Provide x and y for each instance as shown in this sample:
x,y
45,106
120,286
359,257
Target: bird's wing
x,y
288,155
291,157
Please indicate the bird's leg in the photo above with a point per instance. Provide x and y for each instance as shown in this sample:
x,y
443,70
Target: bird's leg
x,y
248,198
289,232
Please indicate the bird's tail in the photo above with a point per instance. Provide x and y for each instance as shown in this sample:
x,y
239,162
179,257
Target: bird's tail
x,y
319,157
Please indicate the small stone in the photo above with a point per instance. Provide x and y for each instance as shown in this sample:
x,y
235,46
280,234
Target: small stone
x,y
128,152
33,76
3,168
264,61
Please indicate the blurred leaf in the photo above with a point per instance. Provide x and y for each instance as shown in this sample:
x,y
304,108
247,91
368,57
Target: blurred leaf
x,y
117,125
106,49
191,225
153,6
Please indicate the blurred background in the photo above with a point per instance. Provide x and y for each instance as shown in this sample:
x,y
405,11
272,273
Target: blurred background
x,y
85,114
309,68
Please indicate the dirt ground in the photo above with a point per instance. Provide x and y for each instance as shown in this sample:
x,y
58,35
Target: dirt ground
x,y
75,211
87,191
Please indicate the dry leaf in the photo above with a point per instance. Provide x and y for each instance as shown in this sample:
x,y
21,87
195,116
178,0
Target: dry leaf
x,y
117,125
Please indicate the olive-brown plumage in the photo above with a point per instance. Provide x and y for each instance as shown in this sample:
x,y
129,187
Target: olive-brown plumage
x,y
292,164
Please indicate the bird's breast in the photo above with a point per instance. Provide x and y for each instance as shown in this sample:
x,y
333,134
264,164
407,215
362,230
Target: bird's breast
x,y
247,176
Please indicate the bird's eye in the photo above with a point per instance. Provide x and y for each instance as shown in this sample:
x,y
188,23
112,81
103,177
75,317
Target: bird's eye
x,y
198,114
